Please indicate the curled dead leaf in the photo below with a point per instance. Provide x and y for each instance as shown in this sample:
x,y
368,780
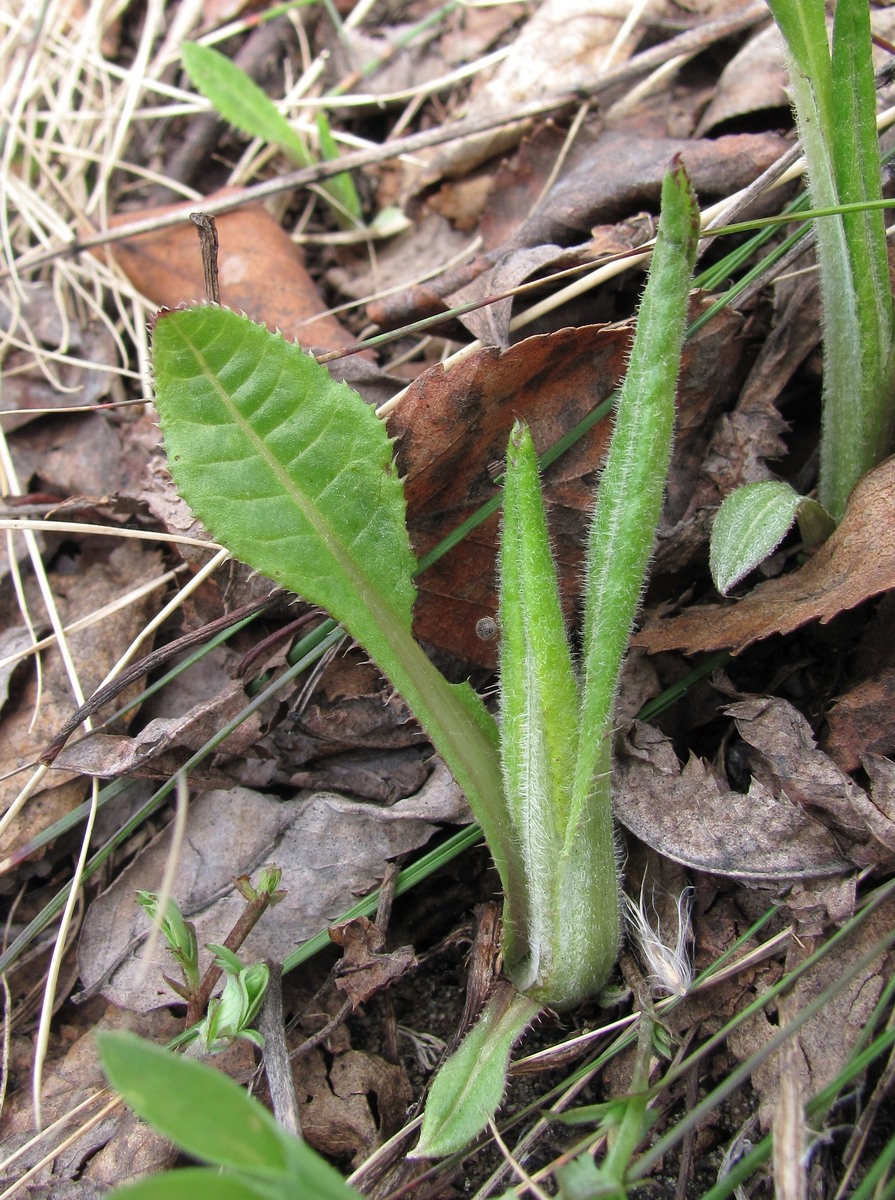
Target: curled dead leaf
x,y
685,813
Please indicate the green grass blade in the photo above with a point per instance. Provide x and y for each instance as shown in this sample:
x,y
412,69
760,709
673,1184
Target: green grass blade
x,y
340,188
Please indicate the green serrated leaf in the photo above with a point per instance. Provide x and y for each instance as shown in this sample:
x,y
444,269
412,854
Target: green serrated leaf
x,y
293,473
753,521
290,469
240,101
469,1087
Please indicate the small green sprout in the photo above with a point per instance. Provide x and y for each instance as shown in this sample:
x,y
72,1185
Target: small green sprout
x,y
180,935
231,1014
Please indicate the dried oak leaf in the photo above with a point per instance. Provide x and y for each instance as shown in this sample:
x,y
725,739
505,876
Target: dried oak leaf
x,y
827,1040
861,721
164,745
452,430
73,1076
784,757
349,1101
856,563
38,707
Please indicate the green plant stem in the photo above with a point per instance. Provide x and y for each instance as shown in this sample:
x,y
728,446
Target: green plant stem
x,y
835,104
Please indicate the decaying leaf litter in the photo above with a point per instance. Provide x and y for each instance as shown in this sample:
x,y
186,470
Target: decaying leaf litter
x,y
768,781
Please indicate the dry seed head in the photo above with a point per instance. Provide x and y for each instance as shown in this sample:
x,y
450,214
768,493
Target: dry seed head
x,y
670,970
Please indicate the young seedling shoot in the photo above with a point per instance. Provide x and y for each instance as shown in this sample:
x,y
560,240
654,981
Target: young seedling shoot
x,y
280,463
562,931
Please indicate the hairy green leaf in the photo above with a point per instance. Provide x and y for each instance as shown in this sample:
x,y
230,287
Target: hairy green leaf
x,y
539,703
632,486
751,524
834,97
290,469
293,473
469,1087
240,101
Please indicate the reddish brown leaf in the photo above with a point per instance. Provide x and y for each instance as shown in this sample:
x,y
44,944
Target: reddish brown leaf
x,y
262,271
861,721
857,562
350,1101
453,429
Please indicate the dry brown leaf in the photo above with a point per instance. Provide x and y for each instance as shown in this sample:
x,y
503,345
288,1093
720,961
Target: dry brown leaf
x,y
785,759
616,175
161,748
100,577
365,967
861,721
330,849
349,1101
752,82
687,815
71,1078
828,1039
452,431
856,563
25,385
262,271
565,44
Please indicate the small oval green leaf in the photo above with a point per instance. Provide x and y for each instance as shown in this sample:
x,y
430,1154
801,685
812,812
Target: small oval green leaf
x,y
751,524
239,100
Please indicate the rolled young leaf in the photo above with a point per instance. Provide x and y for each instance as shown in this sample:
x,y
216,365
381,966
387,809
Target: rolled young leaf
x,y
632,486
538,703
